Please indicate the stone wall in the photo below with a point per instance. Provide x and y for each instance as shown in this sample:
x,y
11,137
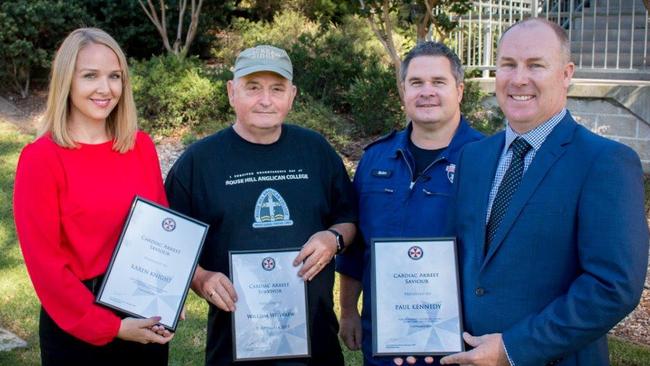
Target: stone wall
x,y
617,109
613,121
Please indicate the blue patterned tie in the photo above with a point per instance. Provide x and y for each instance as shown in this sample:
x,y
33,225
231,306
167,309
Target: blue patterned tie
x,y
508,187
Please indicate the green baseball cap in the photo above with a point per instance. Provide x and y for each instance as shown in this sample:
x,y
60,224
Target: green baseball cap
x,y
263,58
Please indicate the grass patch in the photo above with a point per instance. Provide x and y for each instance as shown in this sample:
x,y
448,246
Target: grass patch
x,y
19,306
625,353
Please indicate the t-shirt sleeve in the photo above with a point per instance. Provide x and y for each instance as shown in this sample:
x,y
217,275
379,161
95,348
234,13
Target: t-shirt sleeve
x,y
342,198
37,216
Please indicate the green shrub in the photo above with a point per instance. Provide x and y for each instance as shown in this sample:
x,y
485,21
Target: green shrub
x,y
322,11
172,94
326,58
325,67
374,101
29,34
341,66
312,114
365,41
485,118
283,32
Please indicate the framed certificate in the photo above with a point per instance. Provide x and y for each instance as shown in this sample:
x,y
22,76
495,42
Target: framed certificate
x,y
153,264
270,320
415,297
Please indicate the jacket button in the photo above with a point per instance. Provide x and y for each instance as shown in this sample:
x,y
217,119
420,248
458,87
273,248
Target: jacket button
x,y
480,291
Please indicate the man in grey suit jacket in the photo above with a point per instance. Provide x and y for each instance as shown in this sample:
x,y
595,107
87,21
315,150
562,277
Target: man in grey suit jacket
x,y
549,218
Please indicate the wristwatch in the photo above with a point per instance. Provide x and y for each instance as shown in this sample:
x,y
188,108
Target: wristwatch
x,y
340,244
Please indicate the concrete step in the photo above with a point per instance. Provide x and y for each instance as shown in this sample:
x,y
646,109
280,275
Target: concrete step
x,y
597,5
610,59
612,21
611,74
638,60
588,34
599,56
614,5
610,45
10,111
9,341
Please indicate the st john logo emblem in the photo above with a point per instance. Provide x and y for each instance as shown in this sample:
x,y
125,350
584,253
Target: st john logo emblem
x,y
268,263
451,171
415,252
168,224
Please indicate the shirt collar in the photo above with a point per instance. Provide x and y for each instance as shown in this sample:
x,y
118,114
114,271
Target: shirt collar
x,y
537,135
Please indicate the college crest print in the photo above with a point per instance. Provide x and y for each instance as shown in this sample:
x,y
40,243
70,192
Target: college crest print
x,y
271,210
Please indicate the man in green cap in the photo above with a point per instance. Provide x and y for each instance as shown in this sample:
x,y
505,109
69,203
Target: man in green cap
x,y
263,184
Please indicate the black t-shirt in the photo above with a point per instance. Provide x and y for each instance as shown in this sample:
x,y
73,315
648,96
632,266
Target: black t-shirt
x,y
272,196
423,157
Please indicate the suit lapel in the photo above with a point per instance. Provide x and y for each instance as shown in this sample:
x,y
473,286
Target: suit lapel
x,y
552,148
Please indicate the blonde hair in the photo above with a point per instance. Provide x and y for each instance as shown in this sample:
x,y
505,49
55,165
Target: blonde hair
x,y
121,124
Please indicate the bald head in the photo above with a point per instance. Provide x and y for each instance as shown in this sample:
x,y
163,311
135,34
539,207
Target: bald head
x,y
533,73
563,39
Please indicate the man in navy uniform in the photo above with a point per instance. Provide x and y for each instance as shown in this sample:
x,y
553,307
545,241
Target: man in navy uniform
x,y
404,180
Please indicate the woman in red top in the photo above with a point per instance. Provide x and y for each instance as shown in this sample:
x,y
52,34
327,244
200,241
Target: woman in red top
x,y
73,189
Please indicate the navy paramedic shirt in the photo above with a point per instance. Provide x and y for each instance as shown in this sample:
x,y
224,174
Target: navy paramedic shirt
x,y
391,205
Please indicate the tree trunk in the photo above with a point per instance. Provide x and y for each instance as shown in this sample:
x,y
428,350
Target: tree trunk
x,y
178,48
21,78
195,11
24,91
424,23
422,31
159,22
382,27
397,61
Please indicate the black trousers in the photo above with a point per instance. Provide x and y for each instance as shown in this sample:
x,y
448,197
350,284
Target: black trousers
x,y
59,348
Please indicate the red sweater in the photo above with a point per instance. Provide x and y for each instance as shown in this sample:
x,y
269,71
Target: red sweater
x,y
69,207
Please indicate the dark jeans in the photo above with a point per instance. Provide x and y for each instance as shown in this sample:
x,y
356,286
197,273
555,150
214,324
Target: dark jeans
x,y
59,348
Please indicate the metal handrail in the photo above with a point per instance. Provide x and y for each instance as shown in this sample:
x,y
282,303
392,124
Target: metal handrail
x,y
606,35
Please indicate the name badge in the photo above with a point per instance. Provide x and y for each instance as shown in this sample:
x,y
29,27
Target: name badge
x,y
381,173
